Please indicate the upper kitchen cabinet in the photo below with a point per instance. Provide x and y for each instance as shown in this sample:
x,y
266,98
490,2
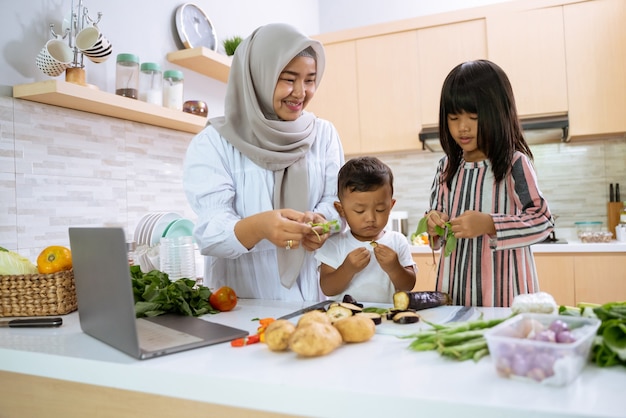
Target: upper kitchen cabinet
x,y
595,47
388,89
530,48
439,50
336,99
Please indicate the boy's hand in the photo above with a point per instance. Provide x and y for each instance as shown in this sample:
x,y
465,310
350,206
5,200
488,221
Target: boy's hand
x,y
357,259
387,258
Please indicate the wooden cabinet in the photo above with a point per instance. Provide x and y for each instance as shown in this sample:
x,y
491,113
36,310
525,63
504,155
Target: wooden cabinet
x,y
582,277
336,99
426,271
556,276
530,48
387,80
595,48
600,277
439,50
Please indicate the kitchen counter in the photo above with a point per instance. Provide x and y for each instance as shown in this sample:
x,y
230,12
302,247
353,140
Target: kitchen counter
x,y
571,246
378,378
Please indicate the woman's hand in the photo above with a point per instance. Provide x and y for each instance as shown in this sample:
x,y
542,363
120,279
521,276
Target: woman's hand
x,y
317,237
282,227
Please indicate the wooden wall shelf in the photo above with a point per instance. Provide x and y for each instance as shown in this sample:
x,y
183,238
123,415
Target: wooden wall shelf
x,y
77,97
204,61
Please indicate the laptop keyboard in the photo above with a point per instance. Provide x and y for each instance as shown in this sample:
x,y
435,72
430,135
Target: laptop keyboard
x,y
153,337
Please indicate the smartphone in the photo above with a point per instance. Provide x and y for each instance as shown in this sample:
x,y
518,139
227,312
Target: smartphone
x,y
33,322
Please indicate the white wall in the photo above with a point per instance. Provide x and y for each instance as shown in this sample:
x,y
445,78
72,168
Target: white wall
x,y
142,27
345,14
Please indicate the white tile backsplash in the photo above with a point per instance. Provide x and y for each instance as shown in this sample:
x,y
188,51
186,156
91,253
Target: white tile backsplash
x,y
62,167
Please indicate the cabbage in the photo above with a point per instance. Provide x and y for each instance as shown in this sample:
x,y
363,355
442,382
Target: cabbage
x,y
13,263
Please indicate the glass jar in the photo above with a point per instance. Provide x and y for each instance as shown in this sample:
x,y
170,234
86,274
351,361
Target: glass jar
x,y
151,83
173,89
622,215
127,75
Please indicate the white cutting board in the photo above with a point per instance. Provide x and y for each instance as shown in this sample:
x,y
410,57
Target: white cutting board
x,y
438,315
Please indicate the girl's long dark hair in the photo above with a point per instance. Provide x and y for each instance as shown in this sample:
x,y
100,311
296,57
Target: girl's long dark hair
x,y
482,87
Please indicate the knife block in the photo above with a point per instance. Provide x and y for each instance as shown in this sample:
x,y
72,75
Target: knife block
x,y
613,210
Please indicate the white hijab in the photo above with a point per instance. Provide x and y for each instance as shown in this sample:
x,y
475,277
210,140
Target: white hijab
x,y
251,125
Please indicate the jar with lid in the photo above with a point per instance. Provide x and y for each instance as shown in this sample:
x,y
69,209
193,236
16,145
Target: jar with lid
x,y
151,83
173,89
127,75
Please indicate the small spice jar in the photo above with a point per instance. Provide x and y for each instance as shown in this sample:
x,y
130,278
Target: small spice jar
x,y
151,83
127,75
173,89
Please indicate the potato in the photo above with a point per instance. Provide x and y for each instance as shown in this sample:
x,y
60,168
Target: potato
x,y
315,339
313,316
277,334
355,329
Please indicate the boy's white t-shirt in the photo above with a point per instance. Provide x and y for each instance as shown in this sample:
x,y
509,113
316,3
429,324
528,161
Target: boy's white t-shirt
x,y
371,284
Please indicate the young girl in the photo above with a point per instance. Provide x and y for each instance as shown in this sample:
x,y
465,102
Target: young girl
x,y
485,191
365,261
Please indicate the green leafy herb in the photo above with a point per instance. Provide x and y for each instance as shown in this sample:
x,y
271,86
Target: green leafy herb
x,y
155,295
422,227
326,227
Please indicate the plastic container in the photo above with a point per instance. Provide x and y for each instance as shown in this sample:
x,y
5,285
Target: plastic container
x,y
177,257
517,355
590,232
151,83
173,89
127,75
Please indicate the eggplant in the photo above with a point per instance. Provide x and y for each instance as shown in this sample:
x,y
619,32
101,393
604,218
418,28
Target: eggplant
x,y
337,312
420,300
375,317
350,299
406,317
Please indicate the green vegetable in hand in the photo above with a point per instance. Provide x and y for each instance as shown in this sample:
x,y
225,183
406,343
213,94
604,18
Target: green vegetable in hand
x,y
450,239
155,294
12,263
326,227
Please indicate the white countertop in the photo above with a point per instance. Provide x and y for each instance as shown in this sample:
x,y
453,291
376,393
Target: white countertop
x,y
571,246
381,377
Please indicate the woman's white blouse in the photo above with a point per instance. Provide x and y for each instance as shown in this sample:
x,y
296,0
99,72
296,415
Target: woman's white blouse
x,y
223,186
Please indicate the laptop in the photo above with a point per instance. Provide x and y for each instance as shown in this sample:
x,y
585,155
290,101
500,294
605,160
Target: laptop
x,y
106,307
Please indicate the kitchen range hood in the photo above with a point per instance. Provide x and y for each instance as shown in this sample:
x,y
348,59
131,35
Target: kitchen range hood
x,y
542,130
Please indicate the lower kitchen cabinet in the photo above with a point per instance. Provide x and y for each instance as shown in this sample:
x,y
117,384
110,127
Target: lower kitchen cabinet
x,y
556,276
426,271
600,278
582,277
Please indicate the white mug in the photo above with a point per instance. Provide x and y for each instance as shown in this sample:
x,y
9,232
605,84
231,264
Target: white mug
x,y
93,44
54,58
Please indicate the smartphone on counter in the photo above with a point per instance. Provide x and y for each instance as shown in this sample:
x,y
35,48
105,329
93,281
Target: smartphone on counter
x,y
32,322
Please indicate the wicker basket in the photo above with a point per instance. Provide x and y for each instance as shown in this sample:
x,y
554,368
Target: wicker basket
x,y
38,294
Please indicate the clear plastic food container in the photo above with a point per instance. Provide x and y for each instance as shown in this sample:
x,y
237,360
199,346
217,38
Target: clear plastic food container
x,y
542,348
592,232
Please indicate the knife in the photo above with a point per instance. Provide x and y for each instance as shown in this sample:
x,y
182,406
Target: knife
x,y
315,307
461,314
32,322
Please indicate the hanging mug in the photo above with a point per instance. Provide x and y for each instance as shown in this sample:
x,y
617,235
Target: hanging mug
x,y
54,58
93,44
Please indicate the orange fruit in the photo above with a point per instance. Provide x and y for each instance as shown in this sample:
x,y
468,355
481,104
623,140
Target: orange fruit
x,y
54,259
223,299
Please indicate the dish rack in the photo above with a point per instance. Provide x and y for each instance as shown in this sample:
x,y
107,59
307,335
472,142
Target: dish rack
x,y
38,294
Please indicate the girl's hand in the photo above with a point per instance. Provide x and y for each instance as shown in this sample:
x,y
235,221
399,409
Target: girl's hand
x,y
472,224
436,218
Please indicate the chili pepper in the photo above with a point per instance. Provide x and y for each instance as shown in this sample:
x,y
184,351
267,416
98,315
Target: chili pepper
x,y
240,342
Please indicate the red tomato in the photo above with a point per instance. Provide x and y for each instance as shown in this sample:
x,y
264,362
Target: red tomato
x,y
223,299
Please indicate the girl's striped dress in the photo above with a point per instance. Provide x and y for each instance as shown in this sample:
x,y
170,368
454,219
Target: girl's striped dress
x,y
490,271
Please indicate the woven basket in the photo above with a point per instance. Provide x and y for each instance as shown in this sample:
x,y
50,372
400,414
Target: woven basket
x,y
38,294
